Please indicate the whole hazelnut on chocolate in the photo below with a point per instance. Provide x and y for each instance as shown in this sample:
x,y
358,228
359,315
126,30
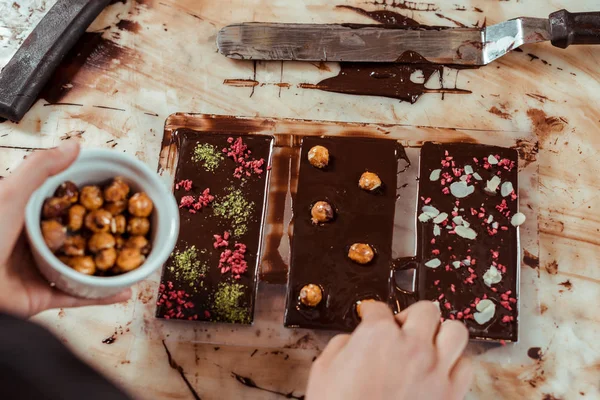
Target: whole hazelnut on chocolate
x,y
116,208
76,217
140,243
98,221
311,295
106,259
55,234
91,197
118,225
84,265
140,205
361,253
129,259
138,226
101,241
359,305
55,207
74,246
68,191
321,212
318,156
369,181
116,191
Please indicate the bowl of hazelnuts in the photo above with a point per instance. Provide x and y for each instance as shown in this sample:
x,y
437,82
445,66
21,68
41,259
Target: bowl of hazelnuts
x,y
101,226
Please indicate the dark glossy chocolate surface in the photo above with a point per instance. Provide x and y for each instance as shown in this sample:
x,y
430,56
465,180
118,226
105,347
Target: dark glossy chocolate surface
x,y
435,282
198,229
319,252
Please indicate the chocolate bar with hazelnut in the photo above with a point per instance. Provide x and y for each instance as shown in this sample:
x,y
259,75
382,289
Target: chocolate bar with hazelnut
x,y
467,230
328,275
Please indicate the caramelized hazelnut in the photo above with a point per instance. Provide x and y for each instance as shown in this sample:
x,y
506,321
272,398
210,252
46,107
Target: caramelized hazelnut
x,y
65,260
140,205
118,225
318,156
68,191
116,208
129,259
91,197
116,191
76,216
361,253
321,212
101,241
369,181
106,259
98,221
84,265
360,303
140,243
54,233
74,246
138,226
119,242
55,207
311,295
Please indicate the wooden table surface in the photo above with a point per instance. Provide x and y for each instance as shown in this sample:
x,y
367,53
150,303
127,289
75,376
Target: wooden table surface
x,y
143,60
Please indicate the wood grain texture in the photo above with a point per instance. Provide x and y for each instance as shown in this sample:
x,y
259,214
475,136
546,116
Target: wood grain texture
x,y
165,61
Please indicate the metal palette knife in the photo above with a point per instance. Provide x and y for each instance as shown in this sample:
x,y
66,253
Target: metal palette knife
x,y
372,43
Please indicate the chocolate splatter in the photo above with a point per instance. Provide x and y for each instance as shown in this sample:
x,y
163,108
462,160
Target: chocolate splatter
x,y
111,339
528,152
544,125
552,268
567,284
535,353
539,97
549,397
181,371
496,111
129,26
241,82
406,5
455,22
249,382
384,17
543,309
531,260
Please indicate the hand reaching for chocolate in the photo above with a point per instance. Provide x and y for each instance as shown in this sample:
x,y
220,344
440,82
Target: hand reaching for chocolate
x,y
23,291
403,357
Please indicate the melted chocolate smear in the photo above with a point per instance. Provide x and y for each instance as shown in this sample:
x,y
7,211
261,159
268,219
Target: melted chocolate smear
x,y
535,353
387,80
249,382
130,26
91,51
406,5
173,364
110,340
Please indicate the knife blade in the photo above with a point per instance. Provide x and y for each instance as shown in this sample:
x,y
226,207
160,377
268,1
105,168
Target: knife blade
x,y
22,79
373,43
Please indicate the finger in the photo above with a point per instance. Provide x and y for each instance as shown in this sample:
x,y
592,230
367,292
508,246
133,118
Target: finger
x,y
16,190
333,348
373,311
451,342
461,378
421,320
63,300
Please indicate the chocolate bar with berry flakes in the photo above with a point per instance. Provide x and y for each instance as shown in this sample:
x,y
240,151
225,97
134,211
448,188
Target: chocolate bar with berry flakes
x,y
467,232
220,185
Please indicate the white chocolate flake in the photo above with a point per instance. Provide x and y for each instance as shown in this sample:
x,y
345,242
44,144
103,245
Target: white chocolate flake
x,y
468,169
477,176
456,264
506,189
434,263
492,185
460,190
518,219
440,218
492,160
436,230
486,310
465,232
492,276
431,211
435,175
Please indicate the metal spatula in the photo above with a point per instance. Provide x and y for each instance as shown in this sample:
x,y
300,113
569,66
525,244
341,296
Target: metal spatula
x,y
372,43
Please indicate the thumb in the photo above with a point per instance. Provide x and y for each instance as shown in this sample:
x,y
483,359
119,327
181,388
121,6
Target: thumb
x,y
16,190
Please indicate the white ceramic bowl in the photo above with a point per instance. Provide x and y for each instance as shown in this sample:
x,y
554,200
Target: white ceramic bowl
x,y
96,166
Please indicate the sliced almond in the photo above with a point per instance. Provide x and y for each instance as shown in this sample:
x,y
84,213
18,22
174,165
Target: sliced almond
x,y
435,175
518,219
433,263
486,310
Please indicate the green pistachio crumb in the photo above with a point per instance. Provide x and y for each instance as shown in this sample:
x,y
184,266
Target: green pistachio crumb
x,y
186,266
227,305
210,156
236,209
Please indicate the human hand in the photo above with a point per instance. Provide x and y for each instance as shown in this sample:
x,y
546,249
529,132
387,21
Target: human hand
x,y
23,291
404,357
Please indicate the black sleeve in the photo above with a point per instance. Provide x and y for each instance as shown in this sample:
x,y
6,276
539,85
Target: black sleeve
x,y
36,365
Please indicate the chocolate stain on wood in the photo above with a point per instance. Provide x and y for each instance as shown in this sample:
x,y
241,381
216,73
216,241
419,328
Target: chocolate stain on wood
x,y
535,353
406,5
543,309
550,397
528,151
531,260
455,22
129,26
249,382
321,66
544,125
539,97
387,79
552,267
496,111
181,371
567,284
241,82
111,339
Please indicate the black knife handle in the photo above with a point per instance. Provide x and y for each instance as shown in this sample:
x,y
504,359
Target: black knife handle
x,y
27,72
574,28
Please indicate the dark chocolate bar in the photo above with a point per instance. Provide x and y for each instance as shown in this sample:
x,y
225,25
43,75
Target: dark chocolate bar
x,y
319,253
467,236
221,183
